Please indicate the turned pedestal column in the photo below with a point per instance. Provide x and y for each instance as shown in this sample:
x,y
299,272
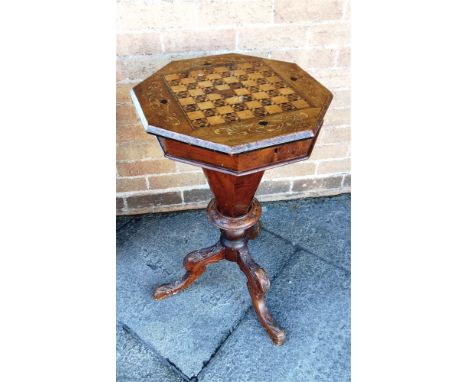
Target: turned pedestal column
x,y
235,116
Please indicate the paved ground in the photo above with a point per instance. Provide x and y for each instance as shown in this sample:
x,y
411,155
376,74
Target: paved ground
x,y
210,332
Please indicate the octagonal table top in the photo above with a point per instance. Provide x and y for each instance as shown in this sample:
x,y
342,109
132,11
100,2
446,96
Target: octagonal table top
x,y
231,103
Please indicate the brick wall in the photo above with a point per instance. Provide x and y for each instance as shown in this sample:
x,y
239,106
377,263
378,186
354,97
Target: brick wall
x,y
313,33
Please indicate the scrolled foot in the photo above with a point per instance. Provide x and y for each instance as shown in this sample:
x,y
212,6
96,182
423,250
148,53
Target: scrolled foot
x,y
166,290
258,284
195,263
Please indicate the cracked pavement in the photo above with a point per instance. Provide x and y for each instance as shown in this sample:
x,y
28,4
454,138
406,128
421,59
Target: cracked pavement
x,y
209,332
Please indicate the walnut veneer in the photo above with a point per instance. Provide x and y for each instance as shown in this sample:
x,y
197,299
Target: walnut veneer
x,y
235,116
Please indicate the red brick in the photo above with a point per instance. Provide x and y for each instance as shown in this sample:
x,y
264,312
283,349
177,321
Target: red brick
x,y
307,57
130,184
273,37
203,40
333,78
132,133
146,167
197,195
269,187
334,166
126,114
123,93
129,151
154,200
296,169
137,68
334,135
307,10
183,167
304,185
152,150
239,12
138,43
341,98
176,180
338,117
330,34
140,16
337,150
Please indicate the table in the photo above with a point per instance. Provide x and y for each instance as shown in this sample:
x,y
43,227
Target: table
x,y
235,116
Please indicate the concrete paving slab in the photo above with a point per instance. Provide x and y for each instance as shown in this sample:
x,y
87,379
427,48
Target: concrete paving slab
x,y
319,225
311,300
120,221
136,363
187,328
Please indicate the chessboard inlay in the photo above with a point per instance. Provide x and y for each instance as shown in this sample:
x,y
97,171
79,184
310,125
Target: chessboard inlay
x,y
222,94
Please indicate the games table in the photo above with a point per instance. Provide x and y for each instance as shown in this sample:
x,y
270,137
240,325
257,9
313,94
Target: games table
x,y
235,116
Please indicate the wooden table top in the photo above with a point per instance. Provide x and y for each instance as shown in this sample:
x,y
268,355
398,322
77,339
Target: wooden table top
x,y
231,103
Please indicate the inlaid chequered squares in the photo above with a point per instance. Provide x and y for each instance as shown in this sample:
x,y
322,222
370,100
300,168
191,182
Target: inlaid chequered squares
x,y
222,94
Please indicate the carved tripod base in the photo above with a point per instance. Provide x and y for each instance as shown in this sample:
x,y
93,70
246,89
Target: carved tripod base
x,y
232,246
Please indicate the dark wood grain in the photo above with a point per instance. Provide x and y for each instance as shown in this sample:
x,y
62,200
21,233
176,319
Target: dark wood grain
x,y
255,103
233,194
238,164
258,284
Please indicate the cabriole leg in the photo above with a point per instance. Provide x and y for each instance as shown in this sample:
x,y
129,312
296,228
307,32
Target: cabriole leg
x,y
259,285
195,263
